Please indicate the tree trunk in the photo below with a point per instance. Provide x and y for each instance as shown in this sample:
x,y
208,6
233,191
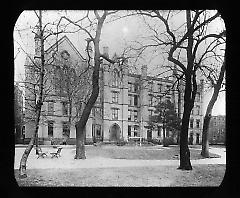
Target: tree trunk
x,y
80,144
36,143
81,124
207,117
205,139
23,162
185,163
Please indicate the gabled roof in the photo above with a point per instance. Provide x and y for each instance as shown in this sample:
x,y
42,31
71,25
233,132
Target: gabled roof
x,y
64,38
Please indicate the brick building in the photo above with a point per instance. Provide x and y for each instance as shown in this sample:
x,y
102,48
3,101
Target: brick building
x,y
122,109
217,129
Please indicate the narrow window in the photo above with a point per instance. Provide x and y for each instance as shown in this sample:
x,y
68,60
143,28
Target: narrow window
x,y
50,108
50,128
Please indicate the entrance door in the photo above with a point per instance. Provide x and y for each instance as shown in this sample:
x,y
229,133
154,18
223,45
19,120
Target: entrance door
x,y
114,132
149,134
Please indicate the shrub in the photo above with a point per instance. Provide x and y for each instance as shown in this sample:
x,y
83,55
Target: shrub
x,y
121,142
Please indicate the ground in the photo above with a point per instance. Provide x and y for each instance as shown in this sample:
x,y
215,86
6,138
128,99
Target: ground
x,y
123,166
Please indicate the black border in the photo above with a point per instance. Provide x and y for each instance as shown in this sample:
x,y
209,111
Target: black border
x,y
229,187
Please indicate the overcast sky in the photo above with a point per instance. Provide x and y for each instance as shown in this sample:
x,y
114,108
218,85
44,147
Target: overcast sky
x,y
115,35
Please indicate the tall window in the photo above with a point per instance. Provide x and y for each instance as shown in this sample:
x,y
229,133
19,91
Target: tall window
x,y
50,108
159,88
115,113
115,81
150,113
198,123
135,130
129,115
150,99
135,100
198,109
50,128
129,130
150,86
130,100
130,87
64,108
135,115
191,123
115,97
135,87
66,129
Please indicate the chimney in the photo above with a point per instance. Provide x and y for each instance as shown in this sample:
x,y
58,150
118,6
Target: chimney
x,y
105,51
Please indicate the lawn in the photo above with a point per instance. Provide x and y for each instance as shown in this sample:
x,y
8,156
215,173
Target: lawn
x,y
136,152
201,175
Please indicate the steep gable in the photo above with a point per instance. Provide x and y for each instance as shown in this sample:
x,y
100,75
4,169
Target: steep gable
x,y
65,44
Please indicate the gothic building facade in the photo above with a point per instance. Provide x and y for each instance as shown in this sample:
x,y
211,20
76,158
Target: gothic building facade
x,y
123,108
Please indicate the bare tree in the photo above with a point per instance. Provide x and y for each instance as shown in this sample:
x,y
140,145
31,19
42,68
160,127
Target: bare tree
x,y
36,86
217,84
182,46
72,82
91,24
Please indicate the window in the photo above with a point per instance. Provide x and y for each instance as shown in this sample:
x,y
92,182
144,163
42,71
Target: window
x,y
150,113
66,129
159,131
160,88
191,123
197,97
130,87
198,109
150,86
198,123
64,108
115,97
130,100
50,128
115,113
115,81
135,87
135,100
129,130
135,130
129,115
50,108
96,131
150,100
135,115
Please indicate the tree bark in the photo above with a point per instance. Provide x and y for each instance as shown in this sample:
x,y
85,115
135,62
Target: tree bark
x,y
205,139
185,163
207,117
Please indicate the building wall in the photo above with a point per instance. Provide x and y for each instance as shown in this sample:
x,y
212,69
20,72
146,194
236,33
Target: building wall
x,y
217,129
105,102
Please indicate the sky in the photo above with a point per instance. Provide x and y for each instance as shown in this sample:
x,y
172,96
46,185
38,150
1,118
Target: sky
x,y
115,35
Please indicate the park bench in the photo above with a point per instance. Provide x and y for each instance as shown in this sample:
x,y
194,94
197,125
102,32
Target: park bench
x,y
56,154
41,153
